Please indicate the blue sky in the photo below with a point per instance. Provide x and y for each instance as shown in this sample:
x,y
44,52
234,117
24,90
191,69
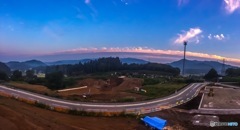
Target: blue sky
x,y
31,28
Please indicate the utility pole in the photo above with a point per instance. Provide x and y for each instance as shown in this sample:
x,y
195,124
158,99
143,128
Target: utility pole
x,y
184,57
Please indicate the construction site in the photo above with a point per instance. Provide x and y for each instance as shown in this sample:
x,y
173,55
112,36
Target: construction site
x,y
110,90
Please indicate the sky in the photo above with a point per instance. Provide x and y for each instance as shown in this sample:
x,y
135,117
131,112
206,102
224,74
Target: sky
x,y
149,29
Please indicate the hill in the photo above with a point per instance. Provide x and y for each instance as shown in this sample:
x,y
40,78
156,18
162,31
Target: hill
x,y
34,63
15,65
4,68
199,67
72,62
67,62
133,60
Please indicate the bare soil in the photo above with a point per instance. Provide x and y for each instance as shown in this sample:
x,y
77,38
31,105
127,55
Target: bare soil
x,y
224,98
15,115
112,90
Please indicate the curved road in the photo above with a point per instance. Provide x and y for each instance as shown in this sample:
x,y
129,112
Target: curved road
x,y
181,96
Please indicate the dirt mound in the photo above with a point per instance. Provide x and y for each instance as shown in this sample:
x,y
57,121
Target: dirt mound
x,y
98,83
111,90
129,84
113,82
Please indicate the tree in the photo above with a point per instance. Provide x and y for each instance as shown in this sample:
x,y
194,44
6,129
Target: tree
x,y
211,75
233,72
30,74
54,80
17,75
3,76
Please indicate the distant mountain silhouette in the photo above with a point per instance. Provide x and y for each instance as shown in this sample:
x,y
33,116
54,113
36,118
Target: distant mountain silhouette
x,y
4,68
15,65
72,62
34,63
67,62
133,60
199,67
192,66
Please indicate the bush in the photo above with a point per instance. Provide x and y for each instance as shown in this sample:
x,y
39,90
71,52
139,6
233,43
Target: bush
x,y
149,81
55,80
127,99
17,76
69,82
3,76
41,105
37,81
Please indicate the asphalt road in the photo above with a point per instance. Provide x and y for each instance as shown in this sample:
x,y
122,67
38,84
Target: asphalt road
x,y
181,96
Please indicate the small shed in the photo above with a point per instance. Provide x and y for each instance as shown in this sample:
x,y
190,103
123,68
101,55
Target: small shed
x,y
154,122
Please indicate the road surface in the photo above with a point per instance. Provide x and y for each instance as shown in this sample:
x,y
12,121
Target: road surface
x,y
181,96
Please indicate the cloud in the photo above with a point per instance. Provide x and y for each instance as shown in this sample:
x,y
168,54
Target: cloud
x,y
210,36
191,35
219,37
87,1
232,5
150,52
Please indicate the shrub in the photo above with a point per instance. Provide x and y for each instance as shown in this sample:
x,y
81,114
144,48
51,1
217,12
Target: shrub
x,y
149,81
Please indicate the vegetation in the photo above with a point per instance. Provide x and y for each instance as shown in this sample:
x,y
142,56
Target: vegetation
x,y
151,81
54,80
111,64
37,81
69,82
3,76
161,90
233,72
42,105
211,75
4,68
17,76
127,99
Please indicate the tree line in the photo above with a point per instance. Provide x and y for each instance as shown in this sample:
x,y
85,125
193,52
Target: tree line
x,y
110,64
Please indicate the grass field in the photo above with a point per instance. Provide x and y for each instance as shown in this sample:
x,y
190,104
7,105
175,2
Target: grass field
x,y
161,90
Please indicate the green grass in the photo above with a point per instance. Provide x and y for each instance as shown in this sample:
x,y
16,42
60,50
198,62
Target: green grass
x,y
230,79
161,90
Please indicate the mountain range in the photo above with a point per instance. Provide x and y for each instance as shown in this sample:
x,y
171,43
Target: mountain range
x,y
191,66
200,67
15,65
4,68
71,62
